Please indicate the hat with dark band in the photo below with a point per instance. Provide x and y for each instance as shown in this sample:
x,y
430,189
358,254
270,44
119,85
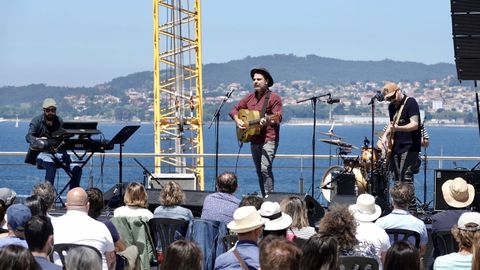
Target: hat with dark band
x,y
264,72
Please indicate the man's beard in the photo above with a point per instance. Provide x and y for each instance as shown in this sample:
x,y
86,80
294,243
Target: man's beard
x,y
49,117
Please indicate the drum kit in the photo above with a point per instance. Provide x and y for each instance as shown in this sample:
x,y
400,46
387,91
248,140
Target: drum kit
x,y
353,178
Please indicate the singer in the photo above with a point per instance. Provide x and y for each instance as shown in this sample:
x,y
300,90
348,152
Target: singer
x,y
264,145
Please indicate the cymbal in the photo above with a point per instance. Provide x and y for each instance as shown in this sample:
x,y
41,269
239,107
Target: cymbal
x,y
331,134
339,143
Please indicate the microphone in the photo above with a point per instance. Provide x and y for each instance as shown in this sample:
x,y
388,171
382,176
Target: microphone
x,y
227,95
378,96
333,100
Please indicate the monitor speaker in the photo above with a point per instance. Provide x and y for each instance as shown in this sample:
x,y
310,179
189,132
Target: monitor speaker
x,y
441,176
315,211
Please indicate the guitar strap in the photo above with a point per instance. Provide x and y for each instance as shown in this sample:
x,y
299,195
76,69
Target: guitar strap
x,y
240,260
397,115
265,103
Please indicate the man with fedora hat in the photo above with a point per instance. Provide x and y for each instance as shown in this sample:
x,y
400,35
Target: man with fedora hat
x,y
44,126
264,145
459,195
248,224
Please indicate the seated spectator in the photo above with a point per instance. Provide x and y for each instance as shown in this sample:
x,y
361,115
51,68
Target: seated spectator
x,y
278,222
130,253
464,232
324,246
296,208
7,197
366,212
476,252
39,236
459,195
82,258
279,254
248,224
78,228
183,255
47,195
17,257
402,255
340,223
17,216
251,200
402,195
136,202
221,204
34,204
171,197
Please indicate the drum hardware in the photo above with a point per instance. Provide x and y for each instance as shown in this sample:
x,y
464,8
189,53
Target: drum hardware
x,y
332,177
339,142
331,134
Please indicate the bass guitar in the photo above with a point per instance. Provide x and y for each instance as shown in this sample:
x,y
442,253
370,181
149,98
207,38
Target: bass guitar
x,y
252,118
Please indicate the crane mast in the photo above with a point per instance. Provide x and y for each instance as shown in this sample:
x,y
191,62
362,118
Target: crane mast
x,y
177,89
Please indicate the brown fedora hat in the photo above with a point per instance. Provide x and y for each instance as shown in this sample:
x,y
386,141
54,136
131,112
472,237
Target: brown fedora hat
x,y
264,72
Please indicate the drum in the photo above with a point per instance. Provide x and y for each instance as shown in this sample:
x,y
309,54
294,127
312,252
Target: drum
x,y
367,155
352,162
329,188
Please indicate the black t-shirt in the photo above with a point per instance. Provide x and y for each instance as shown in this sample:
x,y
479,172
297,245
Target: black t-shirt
x,y
406,141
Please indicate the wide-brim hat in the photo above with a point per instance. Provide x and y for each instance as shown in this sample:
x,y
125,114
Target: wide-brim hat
x,y
277,220
264,72
389,89
365,209
458,193
246,219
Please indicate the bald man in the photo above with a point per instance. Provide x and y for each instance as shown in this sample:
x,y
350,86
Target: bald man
x,y
78,228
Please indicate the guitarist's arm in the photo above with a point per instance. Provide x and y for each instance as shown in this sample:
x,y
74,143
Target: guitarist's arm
x,y
412,126
383,142
276,110
239,122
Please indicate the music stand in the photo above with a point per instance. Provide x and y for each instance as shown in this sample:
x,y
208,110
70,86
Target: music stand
x,y
120,138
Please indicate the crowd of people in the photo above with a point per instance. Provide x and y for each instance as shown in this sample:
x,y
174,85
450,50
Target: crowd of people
x,y
269,235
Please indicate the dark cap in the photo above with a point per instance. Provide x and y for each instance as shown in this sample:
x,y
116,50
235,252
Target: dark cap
x,y
264,72
18,216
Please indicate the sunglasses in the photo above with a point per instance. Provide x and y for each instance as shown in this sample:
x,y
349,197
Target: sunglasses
x,y
390,98
50,110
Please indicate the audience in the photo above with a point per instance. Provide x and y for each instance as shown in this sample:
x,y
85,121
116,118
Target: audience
x,y
459,195
171,197
221,204
136,202
78,228
82,258
402,195
130,253
464,232
47,195
365,212
476,252
296,208
7,197
402,255
320,252
248,224
251,200
17,217
278,222
183,255
39,236
279,254
15,257
35,205
340,223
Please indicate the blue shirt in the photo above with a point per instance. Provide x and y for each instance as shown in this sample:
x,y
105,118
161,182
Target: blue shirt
x,y
46,265
173,212
13,240
401,219
249,252
220,206
454,261
444,221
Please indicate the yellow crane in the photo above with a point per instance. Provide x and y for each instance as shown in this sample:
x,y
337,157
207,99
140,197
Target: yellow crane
x,y
178,107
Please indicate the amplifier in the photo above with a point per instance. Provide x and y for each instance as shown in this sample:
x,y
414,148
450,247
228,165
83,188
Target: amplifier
x,y
185,180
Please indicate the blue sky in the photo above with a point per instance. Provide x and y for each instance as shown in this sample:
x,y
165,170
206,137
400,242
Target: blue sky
x,y
75,43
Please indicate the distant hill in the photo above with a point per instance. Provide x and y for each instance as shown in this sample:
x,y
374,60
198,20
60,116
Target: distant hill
x,y
320,70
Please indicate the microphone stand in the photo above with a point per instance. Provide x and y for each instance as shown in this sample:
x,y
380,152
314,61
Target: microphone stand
x,y
216,119
314,105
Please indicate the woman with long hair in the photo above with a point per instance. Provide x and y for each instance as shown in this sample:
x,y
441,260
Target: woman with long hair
x,y
171,197
183,255
296,208
17,257
136,202
402,255
320,252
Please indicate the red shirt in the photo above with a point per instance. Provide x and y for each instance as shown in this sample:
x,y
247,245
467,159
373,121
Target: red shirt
x,y
271,132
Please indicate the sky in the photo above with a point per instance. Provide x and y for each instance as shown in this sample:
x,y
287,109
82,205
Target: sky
x,y
88,42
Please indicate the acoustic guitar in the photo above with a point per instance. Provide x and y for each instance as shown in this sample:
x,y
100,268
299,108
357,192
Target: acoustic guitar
x,y
251,118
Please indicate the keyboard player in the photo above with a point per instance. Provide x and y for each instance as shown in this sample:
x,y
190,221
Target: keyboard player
x,y
42,127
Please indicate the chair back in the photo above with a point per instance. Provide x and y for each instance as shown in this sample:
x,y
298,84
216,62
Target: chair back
x,y
358,263
62,251
443,243
405,235
229,241
165,231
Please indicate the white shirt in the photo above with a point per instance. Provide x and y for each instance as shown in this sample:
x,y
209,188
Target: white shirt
x,y
132,211
374,234
78,228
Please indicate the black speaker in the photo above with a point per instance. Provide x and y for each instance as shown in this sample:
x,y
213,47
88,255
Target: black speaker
x,y
466,38
315,211
113,197
441,176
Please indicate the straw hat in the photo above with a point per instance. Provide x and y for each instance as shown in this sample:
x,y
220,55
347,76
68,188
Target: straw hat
x,y
365,209
458,193
277,219
246,219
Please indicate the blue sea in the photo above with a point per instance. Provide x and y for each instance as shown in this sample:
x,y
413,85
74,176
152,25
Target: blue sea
x,y
295,139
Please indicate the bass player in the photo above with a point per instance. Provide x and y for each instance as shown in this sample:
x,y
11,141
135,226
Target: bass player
x,y
263,145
